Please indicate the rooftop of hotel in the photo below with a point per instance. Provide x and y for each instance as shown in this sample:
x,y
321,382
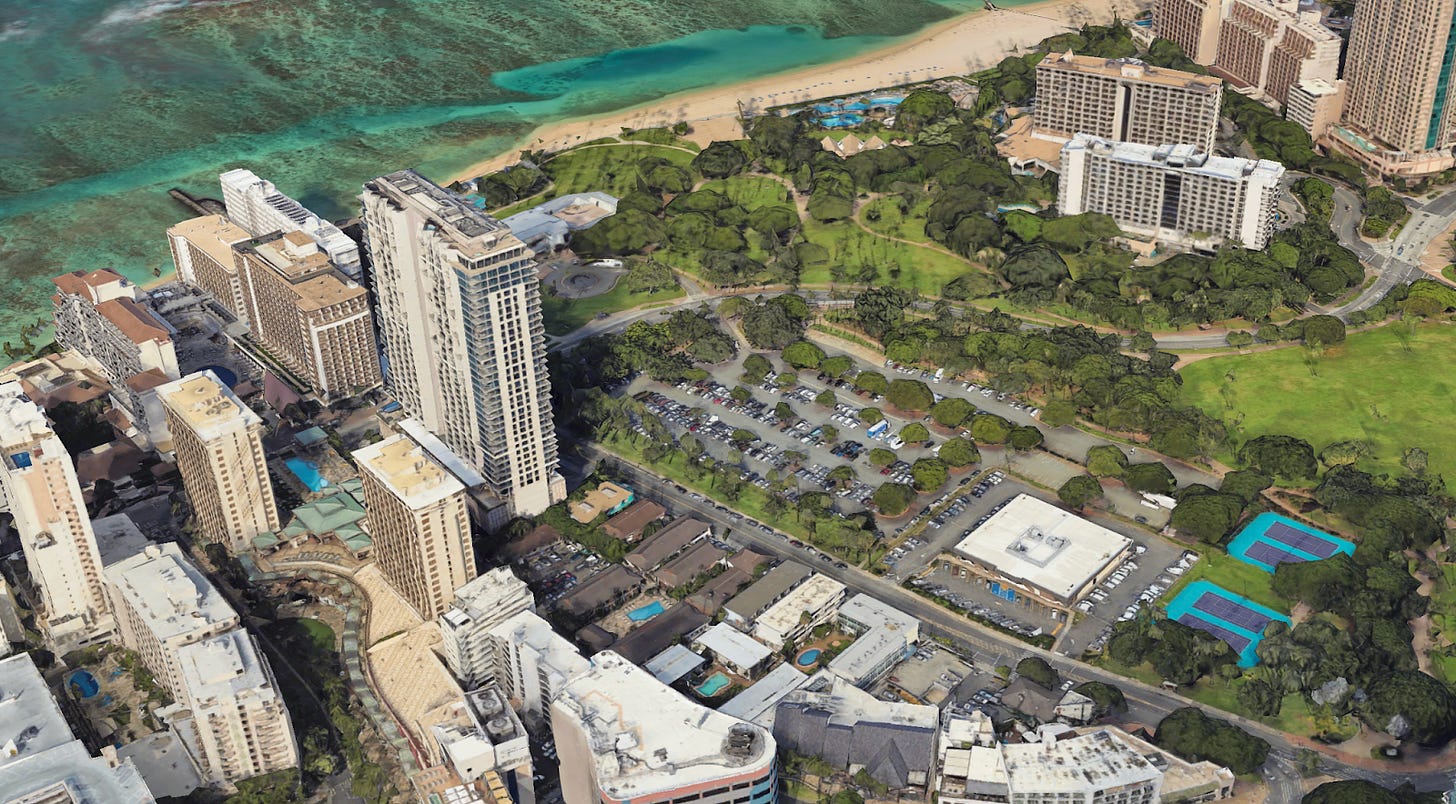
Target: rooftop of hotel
x,y
22,422
309,273
527,628
648,739
409,473
810,595
206,405
224,667
79,283
1042,545
1184,157
472,232
442,453
30,719
484,595
68,774
214,235
169,592
848,704
1073,764
134,321
1131,69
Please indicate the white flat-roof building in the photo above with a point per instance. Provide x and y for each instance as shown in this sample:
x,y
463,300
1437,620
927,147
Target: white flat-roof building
x,y
1172,193
872,654
546,227
1034,549
819,596
163,603
757,703
733,649
483,735
41,761
624,736
257,206
534,663
39,486
1083,769
862,613
479,606
232,718
673,663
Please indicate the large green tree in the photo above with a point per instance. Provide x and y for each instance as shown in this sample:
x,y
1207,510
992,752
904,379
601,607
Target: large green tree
x,y
1080,490
1195,736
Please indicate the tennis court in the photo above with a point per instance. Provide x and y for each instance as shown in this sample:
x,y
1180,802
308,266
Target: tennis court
x,y
1271,539
1232,618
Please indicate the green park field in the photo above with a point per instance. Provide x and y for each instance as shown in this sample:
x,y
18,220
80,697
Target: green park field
x,y
1388,387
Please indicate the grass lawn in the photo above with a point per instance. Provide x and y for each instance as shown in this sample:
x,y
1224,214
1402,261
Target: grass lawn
x,y
1220,568
562,315
751,192
1385,387
899,264
321,635
609,168
909,225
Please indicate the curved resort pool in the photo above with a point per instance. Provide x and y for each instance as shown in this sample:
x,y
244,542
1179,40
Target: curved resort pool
x,y
84,684
714,685
841,120
307,473
808,658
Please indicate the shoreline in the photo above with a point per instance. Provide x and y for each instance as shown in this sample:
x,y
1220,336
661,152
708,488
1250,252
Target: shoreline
x,y
961,45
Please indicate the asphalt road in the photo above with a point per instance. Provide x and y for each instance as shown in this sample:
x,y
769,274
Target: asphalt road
x,y
988,648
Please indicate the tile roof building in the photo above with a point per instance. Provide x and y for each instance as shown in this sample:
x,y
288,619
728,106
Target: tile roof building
x,y
745,607
628,524
689,564
655,550
893,742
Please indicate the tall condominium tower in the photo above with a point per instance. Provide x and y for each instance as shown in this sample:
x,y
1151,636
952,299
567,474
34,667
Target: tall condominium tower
x,y
40,487
1125,100
232,710
202,251
1398,74
256,205
418,521
459,308
219,446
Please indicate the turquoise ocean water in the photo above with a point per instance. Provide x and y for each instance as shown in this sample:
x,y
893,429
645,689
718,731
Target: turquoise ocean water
x,y
107,103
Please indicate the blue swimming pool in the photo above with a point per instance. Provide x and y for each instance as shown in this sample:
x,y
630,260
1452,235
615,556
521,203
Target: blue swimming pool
x,y
1271,539
841,120
308,473
825,108
84,684
808,657
713,685
645,613
1233,618
886,100
225,376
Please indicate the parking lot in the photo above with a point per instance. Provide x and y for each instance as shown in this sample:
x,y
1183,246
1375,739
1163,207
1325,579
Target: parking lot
x,y
555,571
1131,588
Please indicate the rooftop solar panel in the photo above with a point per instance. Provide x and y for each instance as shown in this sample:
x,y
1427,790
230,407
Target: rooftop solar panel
x,y
1300,540
1236,641
1271,555
1231,612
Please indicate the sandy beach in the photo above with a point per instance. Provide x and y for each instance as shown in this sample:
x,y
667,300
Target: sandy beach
x,y
965,44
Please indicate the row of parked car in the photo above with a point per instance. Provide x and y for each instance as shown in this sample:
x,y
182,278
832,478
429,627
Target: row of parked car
x,y
975,609
1146,597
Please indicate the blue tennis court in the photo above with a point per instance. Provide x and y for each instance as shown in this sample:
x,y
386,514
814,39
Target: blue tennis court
x,y
1232,618
1271,539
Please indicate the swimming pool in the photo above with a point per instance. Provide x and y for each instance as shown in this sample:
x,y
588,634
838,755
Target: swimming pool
x,y
308,473
225,376
645,613
84,684
825,108
886,100
808,658
841,120
714,685
1193,608
1271,539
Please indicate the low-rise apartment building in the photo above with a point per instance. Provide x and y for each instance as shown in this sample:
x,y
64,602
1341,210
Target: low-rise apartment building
x,y
810,605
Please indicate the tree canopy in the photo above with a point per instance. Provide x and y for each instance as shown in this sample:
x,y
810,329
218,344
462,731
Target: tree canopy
x,y
1191,734
1080,490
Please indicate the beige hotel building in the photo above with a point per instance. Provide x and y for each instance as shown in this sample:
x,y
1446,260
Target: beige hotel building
x,y
307,312
418,521
1125,100
219,447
